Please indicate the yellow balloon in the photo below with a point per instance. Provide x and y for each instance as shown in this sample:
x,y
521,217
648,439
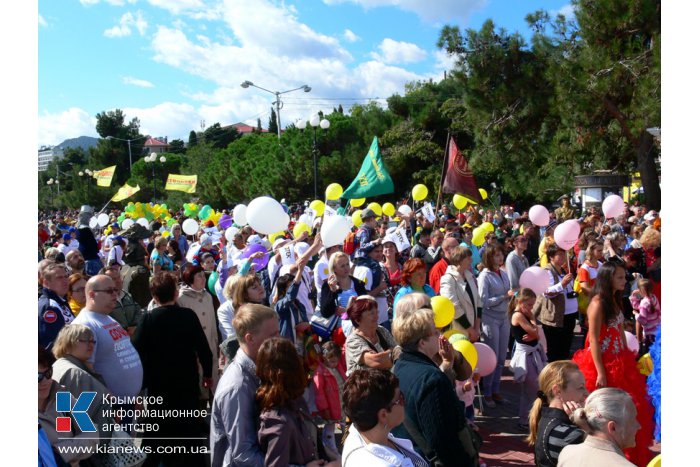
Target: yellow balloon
x,y
444,311
645,365
299,228
357,218
388,209
333,191
483,193
479,235
450,333
318,206
356,203
467,350
655,462
487,226
419,192
376,208
459,201
165,234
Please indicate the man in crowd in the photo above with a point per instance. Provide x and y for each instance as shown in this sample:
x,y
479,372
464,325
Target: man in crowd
x,y
439,268
54,312
126,311
234,432
434,251
75,262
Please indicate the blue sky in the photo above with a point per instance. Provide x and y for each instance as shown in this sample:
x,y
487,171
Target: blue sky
x,y
175,63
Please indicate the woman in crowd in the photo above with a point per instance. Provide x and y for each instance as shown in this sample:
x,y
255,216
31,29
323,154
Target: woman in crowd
x,y
76,292
175,254
172,344
75,445
516,262
369,345
459,285
413,280
159,258
434,417
609,419
606,361
558,308
73,348
495,292
284,435
562,390
393,270
339,288
193,295
375,405
411,303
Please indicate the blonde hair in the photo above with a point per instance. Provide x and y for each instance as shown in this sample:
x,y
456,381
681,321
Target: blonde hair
x,y
590,249
334,259
160,241
229,287
411,302
239,293
458,255
250,317
52,253
409,328
645,285
554,374
651,238
68,337
603,405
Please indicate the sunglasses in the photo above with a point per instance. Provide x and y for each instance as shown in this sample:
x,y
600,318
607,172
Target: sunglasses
x,y
112,290
45,374
400,401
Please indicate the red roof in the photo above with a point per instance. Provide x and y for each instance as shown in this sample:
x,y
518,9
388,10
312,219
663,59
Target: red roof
x,y
154,142
243,128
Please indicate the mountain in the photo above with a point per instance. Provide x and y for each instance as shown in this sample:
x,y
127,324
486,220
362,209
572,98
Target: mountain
x,y
81,142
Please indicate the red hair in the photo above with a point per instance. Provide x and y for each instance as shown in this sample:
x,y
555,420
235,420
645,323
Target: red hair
x,y
411,266
359,306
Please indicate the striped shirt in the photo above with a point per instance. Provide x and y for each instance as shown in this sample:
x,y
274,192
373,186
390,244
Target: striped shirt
x,y
554,431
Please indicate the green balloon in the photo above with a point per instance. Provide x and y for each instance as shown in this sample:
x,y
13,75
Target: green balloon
x,y
171,221
341,211
211,283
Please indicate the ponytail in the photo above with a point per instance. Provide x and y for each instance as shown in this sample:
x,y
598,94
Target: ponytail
x,y
522,294
534,417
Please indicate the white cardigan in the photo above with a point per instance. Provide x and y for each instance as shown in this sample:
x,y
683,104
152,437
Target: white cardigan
x,y
356,452
452,286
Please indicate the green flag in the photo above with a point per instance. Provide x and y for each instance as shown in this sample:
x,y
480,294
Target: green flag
x,y
373,178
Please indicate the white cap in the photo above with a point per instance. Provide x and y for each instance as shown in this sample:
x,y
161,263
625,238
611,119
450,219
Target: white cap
x,y
254,240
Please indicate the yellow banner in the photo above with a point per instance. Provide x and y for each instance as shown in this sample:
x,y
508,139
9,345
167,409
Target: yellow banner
x,y
186,183
125,191
104,176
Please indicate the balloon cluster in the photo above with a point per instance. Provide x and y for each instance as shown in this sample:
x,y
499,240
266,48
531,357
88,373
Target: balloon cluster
x,y
147,211
480,233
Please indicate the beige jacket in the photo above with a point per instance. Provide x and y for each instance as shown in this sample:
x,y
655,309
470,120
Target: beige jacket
x,y
203,306
593,452
452,286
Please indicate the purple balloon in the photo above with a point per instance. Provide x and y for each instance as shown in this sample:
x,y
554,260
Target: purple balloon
x,y
258,263
225,222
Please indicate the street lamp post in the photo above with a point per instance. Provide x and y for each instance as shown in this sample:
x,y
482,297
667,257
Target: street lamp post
x,y
87,173
278,102
152,161
315,121
128,141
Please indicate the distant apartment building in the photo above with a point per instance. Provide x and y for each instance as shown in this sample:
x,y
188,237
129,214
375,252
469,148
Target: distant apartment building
x,y
47,154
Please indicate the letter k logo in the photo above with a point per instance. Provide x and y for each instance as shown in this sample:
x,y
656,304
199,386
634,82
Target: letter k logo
x,y
78,411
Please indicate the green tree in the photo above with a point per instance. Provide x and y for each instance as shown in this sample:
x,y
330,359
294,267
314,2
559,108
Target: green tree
x,y
192,140
272,123
258,127
116,151
177,146
220,137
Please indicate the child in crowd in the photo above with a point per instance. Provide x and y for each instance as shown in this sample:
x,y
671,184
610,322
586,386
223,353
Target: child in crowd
x,y
647,310
328,384
528,356
466,391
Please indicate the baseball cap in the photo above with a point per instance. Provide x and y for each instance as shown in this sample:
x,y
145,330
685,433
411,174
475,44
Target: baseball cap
x,y
66,236
254,240
279,242
651,215
115,225
367,213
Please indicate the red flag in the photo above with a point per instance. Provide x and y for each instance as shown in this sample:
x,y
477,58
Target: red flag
x,y
458,177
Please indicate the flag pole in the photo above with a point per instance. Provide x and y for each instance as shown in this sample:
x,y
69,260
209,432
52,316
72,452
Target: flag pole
x,y
103,207
442,176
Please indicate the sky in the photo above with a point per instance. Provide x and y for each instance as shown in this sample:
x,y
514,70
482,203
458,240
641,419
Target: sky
x,y
177,63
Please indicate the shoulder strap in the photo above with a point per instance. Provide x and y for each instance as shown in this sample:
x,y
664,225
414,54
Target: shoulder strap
x,y
420,441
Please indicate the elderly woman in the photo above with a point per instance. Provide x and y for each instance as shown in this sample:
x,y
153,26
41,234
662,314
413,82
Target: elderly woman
x,y
73,348
74,444
610,419
369,345
435,418
172,344
562,390
375,405
411,303
193,295
413,280
159,257
459,285
76,292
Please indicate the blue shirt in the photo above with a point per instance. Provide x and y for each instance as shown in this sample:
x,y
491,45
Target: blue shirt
x,y
406,289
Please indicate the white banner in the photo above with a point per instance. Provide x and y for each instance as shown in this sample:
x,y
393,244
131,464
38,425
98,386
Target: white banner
x,y
287,254
329,212
400,238
214,233
427,211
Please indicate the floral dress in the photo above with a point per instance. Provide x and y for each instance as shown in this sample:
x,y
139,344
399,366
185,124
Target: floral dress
x,y
621,372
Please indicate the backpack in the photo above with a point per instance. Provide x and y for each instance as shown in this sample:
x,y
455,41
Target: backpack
x,y
349,243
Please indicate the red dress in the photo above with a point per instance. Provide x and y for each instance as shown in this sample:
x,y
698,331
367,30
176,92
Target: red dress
x,y
621,372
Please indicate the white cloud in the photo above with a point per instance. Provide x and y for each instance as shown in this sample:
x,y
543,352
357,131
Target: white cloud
x,y
399,52
568,11
127,21
197,9
56,128
111,2
42,22
435,11
350,36
171,119
137,82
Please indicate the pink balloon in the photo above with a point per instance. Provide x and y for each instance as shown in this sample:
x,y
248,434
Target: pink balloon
x,y
536,279
613,206
632,342
539,215
566,234
486,363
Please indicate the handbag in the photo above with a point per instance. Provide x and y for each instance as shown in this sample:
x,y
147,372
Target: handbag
x,y
324,327
122,452
582,298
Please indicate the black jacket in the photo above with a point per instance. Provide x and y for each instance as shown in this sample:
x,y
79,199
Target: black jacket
x,y
554,431
328,298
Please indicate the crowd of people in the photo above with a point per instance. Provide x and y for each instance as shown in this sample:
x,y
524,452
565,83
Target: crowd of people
x,y
252,350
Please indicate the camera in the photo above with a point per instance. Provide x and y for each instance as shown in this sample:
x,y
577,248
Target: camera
x,y
572,294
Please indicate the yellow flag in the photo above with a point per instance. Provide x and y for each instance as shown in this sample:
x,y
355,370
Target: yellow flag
x,y
125,191
186,183
104,176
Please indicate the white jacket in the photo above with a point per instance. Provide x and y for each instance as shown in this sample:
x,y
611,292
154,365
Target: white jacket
x,y
452,286
356,452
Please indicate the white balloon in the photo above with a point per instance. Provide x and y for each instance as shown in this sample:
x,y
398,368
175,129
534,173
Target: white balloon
x,y
102,219
190,226
230,233
127,223
239,215
267,216
143,221
405,209
539,215
93,222
613,206
334,230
